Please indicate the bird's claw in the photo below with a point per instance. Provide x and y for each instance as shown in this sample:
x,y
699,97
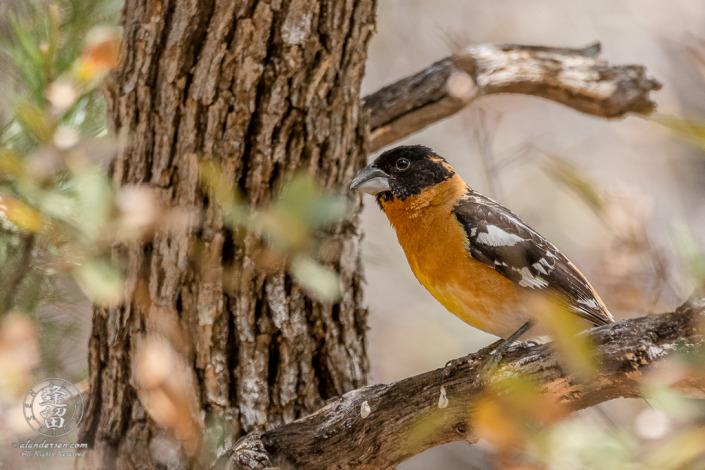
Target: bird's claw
x,y
488,366
453,363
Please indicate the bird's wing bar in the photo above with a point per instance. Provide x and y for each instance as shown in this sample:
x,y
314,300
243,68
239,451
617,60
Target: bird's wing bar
x,y
502,241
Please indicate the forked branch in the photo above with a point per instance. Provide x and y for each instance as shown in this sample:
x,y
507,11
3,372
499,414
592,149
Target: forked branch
x,y
572,77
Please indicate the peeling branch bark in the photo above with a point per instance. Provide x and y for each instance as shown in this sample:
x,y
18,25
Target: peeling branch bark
x,y
339,437
572,77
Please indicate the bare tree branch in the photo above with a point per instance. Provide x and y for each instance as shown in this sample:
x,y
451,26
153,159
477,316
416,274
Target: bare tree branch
x,y
376,427
572,77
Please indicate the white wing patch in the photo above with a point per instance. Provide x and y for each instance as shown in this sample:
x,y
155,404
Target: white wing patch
x,y
502,241
590,303
587,305
577,309
542,265
529,280
495,236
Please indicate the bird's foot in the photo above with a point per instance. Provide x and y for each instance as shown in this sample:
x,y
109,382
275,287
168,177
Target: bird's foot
x,y
453,363
492,354
487,351
491,361
495,353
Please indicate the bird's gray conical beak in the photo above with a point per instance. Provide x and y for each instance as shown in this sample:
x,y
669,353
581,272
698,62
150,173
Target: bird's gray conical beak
x,y
371,180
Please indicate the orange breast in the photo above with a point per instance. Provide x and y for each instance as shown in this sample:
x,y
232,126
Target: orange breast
x,y
435,246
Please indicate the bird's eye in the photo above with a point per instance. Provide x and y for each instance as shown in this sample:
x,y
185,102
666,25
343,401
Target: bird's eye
x,y
403,164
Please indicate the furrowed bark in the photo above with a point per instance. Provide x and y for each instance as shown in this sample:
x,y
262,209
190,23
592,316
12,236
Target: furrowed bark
x,y
263,89
572,77
340,436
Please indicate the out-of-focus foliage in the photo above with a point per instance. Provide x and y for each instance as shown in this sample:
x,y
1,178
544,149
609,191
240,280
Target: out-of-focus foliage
x,y
669,432
666,435
692,131
692,253
511,410
575,350
54,197
573,179
291,227
56,203
689,129
529,428
60,215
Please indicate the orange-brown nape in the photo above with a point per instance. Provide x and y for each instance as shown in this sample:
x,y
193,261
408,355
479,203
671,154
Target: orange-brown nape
x,y
475,256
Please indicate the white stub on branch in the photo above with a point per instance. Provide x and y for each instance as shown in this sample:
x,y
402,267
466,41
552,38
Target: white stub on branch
x,y
365,409
461,86
443,400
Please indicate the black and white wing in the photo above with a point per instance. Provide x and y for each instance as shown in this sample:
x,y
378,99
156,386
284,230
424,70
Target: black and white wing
x,y
502,241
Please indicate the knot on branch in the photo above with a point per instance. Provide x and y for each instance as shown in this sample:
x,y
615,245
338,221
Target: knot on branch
x,y
248,453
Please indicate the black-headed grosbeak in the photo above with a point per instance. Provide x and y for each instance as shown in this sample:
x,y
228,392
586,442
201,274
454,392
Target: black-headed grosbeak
x,y
474,255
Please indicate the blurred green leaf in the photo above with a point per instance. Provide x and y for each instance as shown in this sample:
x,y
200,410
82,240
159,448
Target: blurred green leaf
x,y
290,225
573,179
329,210
94,196
321,281
302,199
576,350
579,443
48,188
690,250
20,214
11,163
224,192
100,281
282,231
35,121
672,402
298,197
679,450
690,130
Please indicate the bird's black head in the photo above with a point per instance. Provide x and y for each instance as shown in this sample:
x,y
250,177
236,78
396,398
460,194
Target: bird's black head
x,y
402,172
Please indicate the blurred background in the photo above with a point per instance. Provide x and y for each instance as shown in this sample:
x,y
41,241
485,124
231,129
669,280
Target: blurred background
x,y
623,199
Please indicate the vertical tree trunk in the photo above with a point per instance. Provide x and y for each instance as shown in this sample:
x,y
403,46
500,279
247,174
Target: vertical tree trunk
x,y
263,87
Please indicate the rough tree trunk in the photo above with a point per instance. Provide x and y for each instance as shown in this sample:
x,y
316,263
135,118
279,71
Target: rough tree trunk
x,y
263,87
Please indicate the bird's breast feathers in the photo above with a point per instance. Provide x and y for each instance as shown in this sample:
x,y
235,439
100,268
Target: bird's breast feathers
x,y
436,248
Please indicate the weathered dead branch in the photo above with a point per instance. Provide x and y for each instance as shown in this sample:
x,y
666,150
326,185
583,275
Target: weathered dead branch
x,y
572,77
344,435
